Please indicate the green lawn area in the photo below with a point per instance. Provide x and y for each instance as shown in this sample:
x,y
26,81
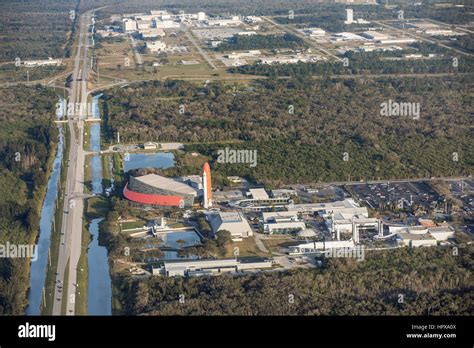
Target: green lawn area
x,y
133,224
278,241
82,274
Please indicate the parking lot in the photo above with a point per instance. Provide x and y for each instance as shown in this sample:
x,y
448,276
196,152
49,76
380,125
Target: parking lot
x,y
405,194
464,190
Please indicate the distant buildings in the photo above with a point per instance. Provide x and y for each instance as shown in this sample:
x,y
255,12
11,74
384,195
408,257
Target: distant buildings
x,y
292,59
318,247
238,55
417,236
282,222
224,22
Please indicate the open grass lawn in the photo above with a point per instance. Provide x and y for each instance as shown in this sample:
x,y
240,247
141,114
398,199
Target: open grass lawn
x,y
247,247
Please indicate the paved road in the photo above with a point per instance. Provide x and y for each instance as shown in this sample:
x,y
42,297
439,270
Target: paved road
x,y
71,229
138,56
200,50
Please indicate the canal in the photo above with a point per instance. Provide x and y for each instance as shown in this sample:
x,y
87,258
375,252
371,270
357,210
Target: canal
x,y
39,267
99,281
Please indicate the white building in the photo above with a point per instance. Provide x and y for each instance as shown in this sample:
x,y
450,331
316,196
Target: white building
x,y
314,32
440,32
314,247
347,222
346,36
234,21
284,227
246,33
192,268
166,24
234,222
441,233
142,24
201,16
347,206
416,240
238,55
349,16
396,40
280,216
129,25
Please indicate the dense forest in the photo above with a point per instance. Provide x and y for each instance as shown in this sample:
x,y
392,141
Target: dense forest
x,y
36,29
28,137
282,8
362,63
423,281
302,127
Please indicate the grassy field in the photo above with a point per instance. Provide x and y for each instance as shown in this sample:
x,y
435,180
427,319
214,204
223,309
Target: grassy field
x,y
278,241
88,175
83,273
132,224
247,247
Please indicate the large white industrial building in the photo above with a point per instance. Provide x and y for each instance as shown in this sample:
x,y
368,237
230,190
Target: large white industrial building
x,y
192,268
315,247
234,222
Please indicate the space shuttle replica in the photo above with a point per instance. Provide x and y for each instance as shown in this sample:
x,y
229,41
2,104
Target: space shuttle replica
x,y
206,183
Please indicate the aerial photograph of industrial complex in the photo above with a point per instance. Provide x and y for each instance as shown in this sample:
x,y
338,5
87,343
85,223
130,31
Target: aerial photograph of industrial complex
x,y
275,159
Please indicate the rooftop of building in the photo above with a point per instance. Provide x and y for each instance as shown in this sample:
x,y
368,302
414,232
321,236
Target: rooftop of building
x,y
259,193
170,184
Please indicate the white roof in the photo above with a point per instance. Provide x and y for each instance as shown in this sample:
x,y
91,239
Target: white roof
x,y
279,214
258,193
166,183
234,222
415,236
